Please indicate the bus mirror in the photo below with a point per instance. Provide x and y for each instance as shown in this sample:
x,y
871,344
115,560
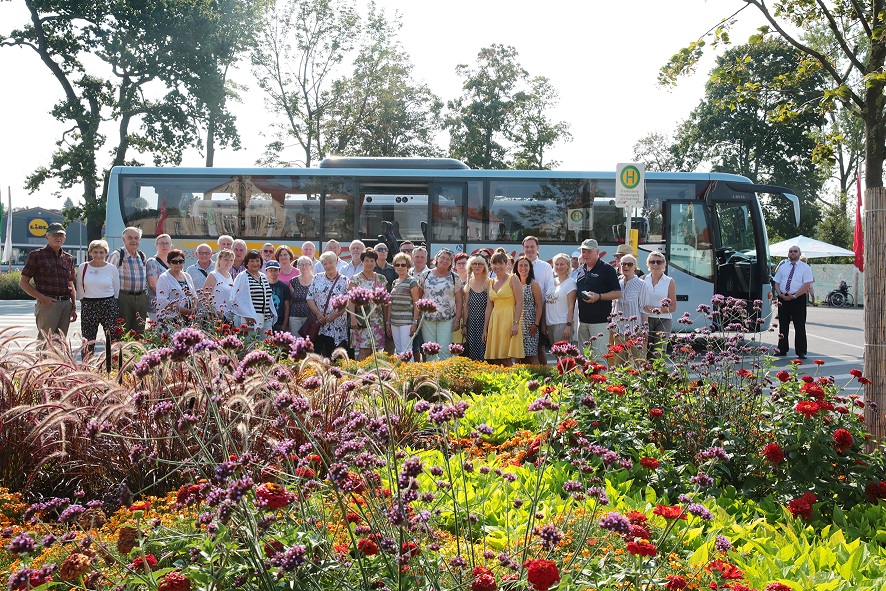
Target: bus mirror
x,y
796,201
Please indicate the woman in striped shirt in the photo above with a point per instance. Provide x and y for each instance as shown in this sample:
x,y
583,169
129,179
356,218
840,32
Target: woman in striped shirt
x,y
628,315
251,301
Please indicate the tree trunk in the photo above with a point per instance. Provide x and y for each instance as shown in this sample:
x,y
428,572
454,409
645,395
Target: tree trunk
x,y
210,140
875,313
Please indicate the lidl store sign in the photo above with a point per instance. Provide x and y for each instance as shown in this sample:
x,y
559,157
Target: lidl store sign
x,y
37,227
630,184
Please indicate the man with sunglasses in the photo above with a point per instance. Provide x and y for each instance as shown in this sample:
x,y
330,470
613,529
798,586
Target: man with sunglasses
x,y
597,285
792,282
382,266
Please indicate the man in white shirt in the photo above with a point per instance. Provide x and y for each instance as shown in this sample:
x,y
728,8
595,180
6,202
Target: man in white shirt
x,y
200,270
334,247
792,282
544,274
355,266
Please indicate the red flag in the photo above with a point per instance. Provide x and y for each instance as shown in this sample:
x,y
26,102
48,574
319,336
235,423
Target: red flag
x,y
162,219
858,240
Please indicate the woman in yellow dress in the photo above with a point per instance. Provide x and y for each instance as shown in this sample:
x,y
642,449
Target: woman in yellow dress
x,y
504,311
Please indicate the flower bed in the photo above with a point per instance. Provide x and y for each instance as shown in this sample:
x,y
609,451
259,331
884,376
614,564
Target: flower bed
x,y
212,464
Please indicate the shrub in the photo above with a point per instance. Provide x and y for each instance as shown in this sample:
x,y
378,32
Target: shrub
x,y
9,287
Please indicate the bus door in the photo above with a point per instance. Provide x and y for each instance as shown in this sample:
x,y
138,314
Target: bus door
x,y
393,211
687,232
448,209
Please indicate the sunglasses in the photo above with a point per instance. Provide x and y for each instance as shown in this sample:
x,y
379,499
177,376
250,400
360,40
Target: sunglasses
x,y
177,261
627,264
656,262
381,250
400,265
406,250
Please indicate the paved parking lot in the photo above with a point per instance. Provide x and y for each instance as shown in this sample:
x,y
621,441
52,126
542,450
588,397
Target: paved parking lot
x,y
836,335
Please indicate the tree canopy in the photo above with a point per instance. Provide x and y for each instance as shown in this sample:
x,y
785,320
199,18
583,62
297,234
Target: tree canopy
x,y
143,84
501,118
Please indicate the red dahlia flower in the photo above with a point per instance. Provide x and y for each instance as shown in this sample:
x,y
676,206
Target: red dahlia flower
x,y
139,563
367,546
270,495
783,376
675,583
636,517
484,580
669,511
656,413
638,531
777,587
773,453
814,390
542,574
875,491
140,506
800,508
842,440
565,365
726,570
642,548
174,581
856,373
807,408
649,463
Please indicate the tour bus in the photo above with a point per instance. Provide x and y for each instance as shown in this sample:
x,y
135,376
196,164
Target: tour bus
x,y
709,225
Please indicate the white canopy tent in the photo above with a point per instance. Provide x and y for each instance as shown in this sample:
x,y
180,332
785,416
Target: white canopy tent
x,y
809,247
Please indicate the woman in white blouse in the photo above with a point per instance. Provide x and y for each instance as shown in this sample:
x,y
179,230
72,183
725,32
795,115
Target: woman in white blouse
x,y
628,314
176,296
661,301
98,285
220,282
252,301
560,302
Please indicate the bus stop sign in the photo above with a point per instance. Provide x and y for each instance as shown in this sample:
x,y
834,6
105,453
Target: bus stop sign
x,y
630,184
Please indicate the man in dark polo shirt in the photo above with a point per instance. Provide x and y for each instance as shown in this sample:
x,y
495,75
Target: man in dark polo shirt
x,y
52,271
597,286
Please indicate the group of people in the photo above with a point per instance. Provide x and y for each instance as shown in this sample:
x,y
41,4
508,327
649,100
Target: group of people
x,y
496,307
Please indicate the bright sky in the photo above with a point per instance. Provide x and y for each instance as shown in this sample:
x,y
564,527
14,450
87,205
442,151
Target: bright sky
x,y
602,57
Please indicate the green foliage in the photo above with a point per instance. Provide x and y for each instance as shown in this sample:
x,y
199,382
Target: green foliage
x,y
315,37
500,120
151,77
380,110
758,120
835,227
842,40
502,405
9,286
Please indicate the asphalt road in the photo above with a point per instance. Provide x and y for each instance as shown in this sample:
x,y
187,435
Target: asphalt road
x,y
836,335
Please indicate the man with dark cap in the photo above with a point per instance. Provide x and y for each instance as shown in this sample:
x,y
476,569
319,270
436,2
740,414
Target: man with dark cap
x,y
52,272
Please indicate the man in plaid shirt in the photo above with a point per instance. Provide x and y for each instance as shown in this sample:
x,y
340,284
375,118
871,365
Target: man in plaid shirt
x,y
52,271
133,298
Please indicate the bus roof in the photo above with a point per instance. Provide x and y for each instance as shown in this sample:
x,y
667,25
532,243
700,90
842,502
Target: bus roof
x,y
407,173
